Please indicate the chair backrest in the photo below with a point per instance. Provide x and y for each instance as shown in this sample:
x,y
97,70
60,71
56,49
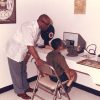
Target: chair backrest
x,y
50,71
46,69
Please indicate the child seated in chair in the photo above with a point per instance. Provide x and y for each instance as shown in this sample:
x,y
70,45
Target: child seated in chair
x,y
57,60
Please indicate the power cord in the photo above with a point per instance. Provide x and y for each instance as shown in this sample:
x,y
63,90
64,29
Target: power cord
x,y
91,51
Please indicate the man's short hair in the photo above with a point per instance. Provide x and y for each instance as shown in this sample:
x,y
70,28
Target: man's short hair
x,y
43,16
56,43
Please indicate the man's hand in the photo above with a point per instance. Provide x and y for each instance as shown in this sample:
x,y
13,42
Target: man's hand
x,y
48,47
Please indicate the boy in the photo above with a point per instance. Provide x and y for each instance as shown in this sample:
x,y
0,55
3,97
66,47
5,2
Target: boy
x,y
57,60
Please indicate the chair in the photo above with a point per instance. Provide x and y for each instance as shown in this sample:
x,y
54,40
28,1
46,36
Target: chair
x,y
43,82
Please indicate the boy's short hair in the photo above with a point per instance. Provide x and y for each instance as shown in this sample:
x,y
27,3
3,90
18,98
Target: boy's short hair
x,y
56,43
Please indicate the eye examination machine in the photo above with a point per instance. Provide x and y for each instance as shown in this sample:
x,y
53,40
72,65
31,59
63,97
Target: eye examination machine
x,y
74,43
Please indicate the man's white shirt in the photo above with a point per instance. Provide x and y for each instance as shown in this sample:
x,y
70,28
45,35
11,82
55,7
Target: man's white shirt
x,y
27,35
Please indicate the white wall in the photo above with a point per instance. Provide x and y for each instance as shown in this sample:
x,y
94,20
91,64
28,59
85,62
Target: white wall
x,y
62,14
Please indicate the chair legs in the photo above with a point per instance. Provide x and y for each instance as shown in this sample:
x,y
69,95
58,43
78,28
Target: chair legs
x,y
35,90
34,93
57,93
60,96
66,94
55,97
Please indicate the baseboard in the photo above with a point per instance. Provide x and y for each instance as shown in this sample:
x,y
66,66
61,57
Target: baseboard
x,y
87,89
7,88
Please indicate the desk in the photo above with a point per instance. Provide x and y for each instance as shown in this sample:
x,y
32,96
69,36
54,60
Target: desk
x,y
86,75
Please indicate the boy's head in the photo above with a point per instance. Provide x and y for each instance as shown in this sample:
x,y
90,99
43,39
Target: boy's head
x,y
57,44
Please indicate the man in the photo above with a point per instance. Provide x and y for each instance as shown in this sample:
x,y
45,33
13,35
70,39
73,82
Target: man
x,y
57,60
19,50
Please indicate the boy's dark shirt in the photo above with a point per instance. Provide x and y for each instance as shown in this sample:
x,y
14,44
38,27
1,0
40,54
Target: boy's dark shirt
x,y
57,60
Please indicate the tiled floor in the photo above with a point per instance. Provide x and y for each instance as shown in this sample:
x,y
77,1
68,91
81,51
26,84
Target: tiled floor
x,y
75,94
